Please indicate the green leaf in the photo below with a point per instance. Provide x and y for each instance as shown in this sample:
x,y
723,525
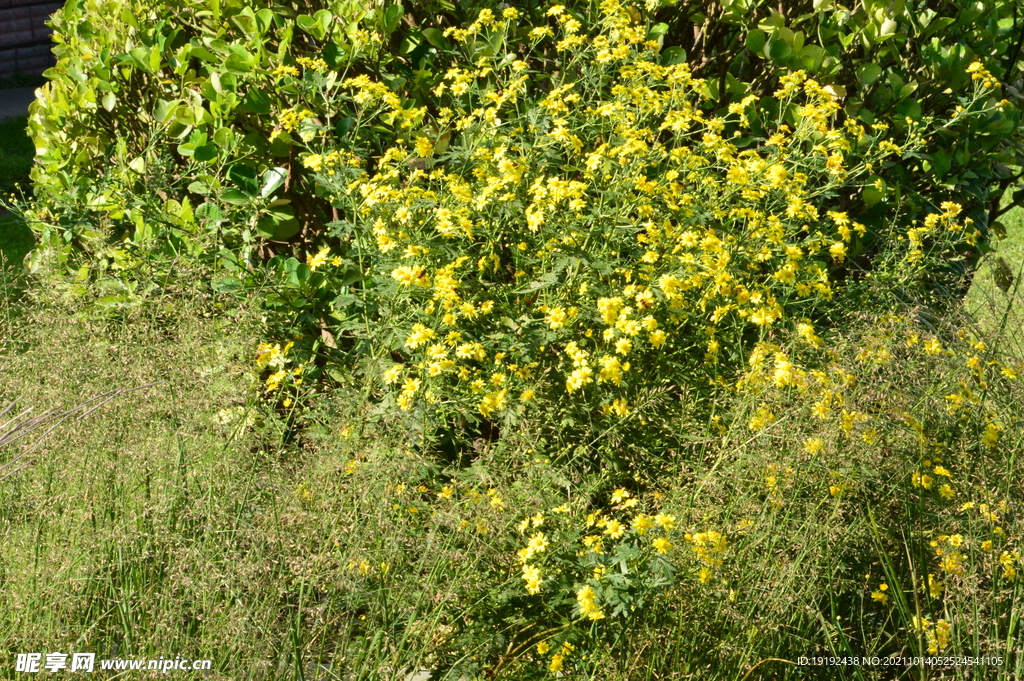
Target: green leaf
x,y
256,101
205,153
273,179
324,18
163,110
244,178
226,284
756,41
673,55
868,73
264,18
223,137
909,108
435,37
234,197
344,126
811,57
201,188
278,224
310,26
872,196
392,15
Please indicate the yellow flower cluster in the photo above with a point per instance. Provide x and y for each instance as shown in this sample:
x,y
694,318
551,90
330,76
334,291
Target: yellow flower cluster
x,y
980,73
289,120
613,229
546,546
710,548
314,63
938,634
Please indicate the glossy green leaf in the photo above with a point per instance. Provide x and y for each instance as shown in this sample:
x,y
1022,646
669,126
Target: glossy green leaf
x,y
273,180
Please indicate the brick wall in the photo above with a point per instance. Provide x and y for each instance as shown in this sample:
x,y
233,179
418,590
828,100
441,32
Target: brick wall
x,y
25,37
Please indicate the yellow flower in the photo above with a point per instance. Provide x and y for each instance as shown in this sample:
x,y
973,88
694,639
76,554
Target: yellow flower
x,y
665,521
556,318
587,601
543,648
837,251
420,335
642,524
614,529
943,635
531,575
814,446
935,587
408,276
620,495
662,544
492,402
538,543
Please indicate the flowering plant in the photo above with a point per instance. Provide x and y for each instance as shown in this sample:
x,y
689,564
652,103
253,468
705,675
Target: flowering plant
x,y
592,248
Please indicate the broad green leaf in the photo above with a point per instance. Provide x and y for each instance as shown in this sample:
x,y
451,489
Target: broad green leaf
x,y
756,40
256,101
234,197
872,196
868,73
392,16
777,49
244,178
273,179
310,26
435,37
278,224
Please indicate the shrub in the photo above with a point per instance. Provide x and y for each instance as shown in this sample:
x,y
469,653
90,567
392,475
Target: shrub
x,y
602,254
188,104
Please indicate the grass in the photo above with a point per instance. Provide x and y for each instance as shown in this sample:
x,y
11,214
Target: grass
x,y
192,518
322,538
996,299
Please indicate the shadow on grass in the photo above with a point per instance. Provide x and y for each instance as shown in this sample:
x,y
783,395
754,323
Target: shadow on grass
x,y
16,240
16,154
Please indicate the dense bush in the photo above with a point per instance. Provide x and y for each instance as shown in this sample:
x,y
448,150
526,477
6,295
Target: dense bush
x,y
196,114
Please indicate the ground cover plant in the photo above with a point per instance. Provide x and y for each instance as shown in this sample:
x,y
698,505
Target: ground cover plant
x,y
547,359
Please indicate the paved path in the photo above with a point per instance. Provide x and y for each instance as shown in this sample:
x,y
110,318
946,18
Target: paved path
x,y
15,102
